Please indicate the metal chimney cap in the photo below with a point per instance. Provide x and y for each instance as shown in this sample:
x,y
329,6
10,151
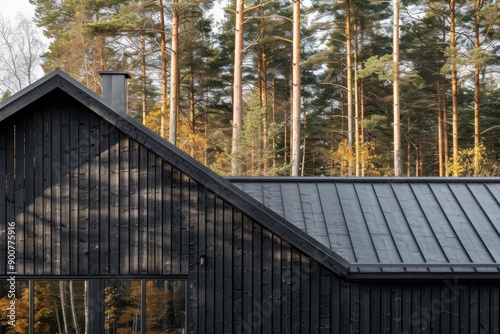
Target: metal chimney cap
x,y
125,74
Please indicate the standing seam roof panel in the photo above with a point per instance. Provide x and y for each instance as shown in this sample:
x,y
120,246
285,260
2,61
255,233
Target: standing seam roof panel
x,y
444,232
340,239
484,228
473,244
424,235
362,244
381,236
396,222
313,215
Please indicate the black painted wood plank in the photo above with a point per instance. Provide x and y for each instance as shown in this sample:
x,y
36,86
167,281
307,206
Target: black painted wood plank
x,y
137,189
416,309
325,301
344,306
474,308
3,198
104,197
484,308
167,218
151,232
335,302
257,315
286,274
74,188
228,267
453,299
295,292
48,226
364,307
385,309
158,219
396,308
211,263
406,309
200,327
194,251
94,196
140,226
276,284
238,272
114,202
494,308
305,293
66,163
314,291
176,221
83,192
10,191
267,263
355,307
425,299
219,266
124,198
29,243
247,278
464,313
375,308
444,306
184,225
19,195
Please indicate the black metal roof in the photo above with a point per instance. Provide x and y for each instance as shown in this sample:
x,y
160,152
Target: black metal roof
x,y
421,225
62,82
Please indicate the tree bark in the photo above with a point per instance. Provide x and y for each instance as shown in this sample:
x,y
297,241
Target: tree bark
x,y
477,87
174,75
349,80
454,86
296,89
237,90
396,99
163,53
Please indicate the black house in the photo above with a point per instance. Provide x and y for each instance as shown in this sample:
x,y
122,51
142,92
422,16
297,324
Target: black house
x,y
107,228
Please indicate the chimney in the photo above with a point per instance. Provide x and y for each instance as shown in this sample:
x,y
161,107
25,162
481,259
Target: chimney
x,y
114,89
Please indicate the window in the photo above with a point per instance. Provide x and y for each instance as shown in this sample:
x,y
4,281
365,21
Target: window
x,y
89,306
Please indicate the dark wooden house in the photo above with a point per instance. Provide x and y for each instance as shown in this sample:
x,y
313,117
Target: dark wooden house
x,y
146,239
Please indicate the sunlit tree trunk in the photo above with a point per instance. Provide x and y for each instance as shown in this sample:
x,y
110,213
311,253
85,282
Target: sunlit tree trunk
x,y
349,80
396,99
144,79
357,126
63,305
454,86
477,87
163,53
174,75
237,90
296,89
73,310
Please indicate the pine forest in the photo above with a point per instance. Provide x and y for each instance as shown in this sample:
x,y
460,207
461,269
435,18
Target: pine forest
x,y
283,87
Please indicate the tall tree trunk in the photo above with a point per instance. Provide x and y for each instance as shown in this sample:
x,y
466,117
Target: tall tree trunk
x,y
454,86
296,88
357,126
163,53
73,309
174,75
477,87
348,38
237,90
63,306
396,99
440,131
144,79
192,110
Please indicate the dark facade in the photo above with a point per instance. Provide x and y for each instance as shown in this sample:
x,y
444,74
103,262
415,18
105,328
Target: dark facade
x,y
95,196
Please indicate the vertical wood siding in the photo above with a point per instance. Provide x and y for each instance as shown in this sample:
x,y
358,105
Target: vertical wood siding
x,y
89,200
